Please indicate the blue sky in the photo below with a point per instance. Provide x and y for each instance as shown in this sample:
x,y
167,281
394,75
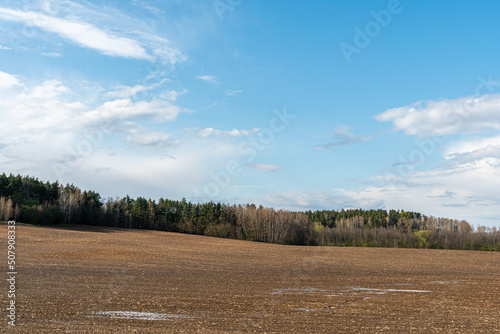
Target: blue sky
x,y
289,104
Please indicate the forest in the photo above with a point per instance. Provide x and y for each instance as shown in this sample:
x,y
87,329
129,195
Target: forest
x,y
30,201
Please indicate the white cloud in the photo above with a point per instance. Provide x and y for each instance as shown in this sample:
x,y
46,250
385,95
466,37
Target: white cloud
x,y
141,172
129,42
470,165
151,139
468,177
42,123
145,5
472,145
83,34
126,109
232,133
264,167
51,54
206,132
45,119
208,78
52,135
238,133
125,92
7,80
164,52
40,108
230,92
473,184
172,95
48,90
446,117
5,47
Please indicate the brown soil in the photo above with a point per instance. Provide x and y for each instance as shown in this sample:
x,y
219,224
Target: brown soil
x,y
68,277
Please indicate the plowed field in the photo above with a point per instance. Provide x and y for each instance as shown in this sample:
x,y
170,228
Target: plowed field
x,y
79,279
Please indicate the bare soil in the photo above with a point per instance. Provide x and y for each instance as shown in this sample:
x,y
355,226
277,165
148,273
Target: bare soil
x,y
80,279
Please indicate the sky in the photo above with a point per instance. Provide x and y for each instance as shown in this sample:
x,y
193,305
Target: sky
x,y
289,104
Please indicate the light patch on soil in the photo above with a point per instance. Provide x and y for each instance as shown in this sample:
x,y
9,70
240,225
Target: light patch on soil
x,y
141,315
388,290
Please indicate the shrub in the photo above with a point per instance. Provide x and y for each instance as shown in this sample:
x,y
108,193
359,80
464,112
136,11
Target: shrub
x,y
423,237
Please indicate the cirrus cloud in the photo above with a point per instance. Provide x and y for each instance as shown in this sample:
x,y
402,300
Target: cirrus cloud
x,y
115,44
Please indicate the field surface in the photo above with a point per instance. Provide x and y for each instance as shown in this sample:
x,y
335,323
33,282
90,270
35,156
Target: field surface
x,y
79,279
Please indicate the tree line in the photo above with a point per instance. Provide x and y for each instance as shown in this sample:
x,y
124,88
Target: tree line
x,y
28,200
